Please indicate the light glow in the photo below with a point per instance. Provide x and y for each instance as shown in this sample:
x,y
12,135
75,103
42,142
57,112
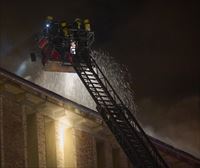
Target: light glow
x,y
61,125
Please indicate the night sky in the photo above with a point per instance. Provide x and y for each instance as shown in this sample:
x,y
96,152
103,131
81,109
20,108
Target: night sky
x,y
157,40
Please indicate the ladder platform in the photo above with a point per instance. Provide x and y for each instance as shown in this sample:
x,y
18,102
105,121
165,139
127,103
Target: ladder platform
x,y
57,66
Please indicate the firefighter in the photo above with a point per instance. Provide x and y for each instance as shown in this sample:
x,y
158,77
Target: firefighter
x,y
86,23
64,29
65,41
50,26
78,23
73,48
49,21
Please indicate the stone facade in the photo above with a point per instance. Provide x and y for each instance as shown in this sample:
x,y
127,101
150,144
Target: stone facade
x,y
31,139
12,134
85,149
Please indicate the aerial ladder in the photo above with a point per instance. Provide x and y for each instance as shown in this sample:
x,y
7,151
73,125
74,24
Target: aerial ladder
x,y
124,126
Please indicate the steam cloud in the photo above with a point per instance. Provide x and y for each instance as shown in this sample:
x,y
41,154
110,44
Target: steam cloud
x,y
70,86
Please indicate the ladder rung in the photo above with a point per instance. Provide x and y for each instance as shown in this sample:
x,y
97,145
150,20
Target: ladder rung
x,y
97,87
95,83
98,91
87,74
105,102
86,70
102,97
88,77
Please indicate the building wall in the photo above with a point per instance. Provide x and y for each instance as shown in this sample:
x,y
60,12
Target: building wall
x,y
31,139
50,143
85,149
70,149
12,133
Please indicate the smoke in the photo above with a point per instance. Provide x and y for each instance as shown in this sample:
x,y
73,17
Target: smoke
x,y
14,53
176,123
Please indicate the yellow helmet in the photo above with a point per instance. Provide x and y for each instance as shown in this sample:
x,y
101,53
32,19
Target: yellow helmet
x,y
78,20
86,21
63,24
50,18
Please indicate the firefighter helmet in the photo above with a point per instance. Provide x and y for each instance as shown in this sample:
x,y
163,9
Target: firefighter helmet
x,y
78,20
86,25
63,24
50,18
86,21
78,23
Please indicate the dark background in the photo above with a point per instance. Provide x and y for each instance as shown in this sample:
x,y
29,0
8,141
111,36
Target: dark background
x,y
157,40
